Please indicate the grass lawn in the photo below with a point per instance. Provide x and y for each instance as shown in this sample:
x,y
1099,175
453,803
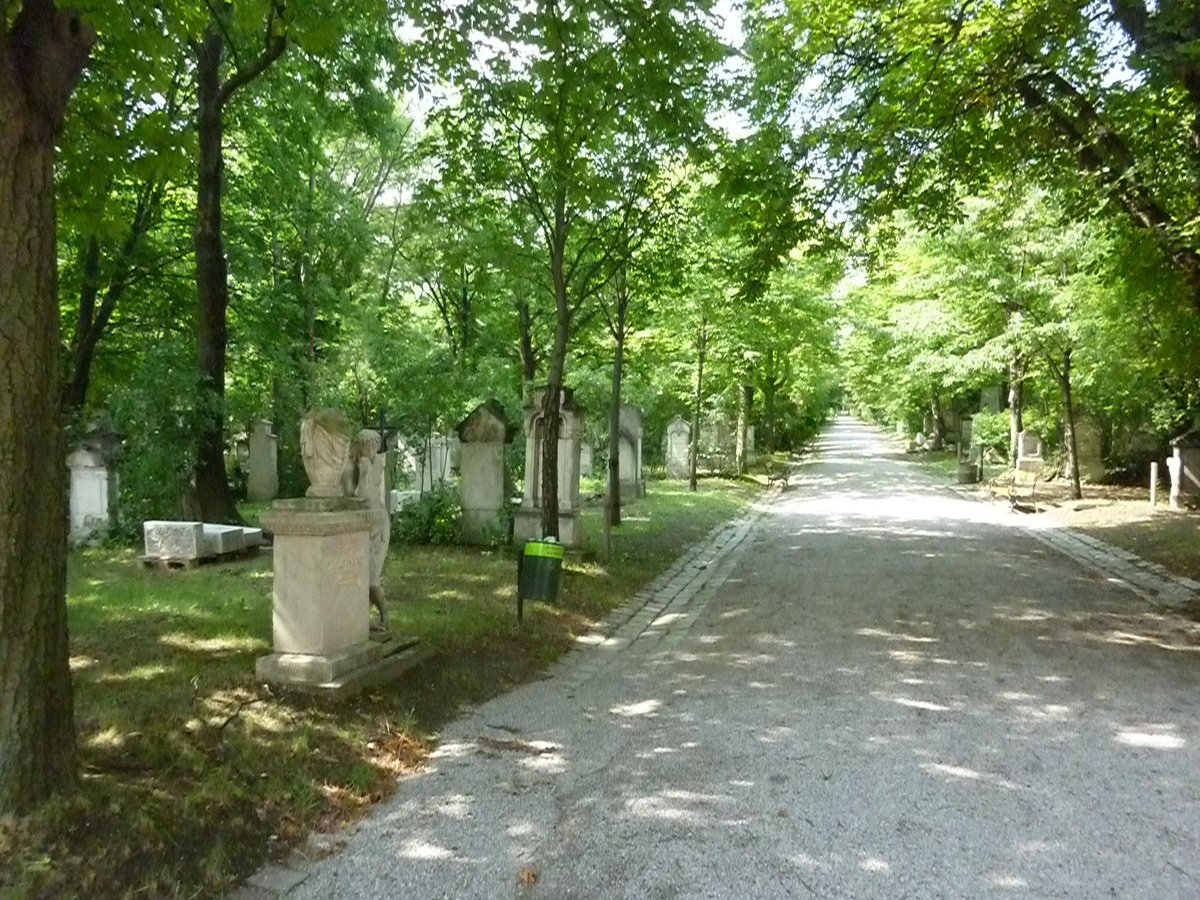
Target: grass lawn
x,y
192,774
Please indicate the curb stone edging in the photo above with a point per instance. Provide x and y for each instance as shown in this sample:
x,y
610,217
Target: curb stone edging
x,y
1149,580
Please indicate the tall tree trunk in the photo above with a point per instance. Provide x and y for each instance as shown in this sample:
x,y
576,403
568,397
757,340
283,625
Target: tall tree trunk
x,y
613,495
694,455
41,56
742,448
552,406
1016,405
1062,374
768,416
212,283
939,422
525,345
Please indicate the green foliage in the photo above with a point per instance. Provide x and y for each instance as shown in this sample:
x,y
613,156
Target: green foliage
x,y
990,430
431,519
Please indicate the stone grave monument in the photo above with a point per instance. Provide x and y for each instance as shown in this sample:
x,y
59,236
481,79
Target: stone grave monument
x,y
440,455
262,465
1185,451
587,458
678,447
1029,452
483,481
328,555
528,524
92,464
1088,450
967,453
629,445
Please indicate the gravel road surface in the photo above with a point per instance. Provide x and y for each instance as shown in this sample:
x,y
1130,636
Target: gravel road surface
x,y
873,688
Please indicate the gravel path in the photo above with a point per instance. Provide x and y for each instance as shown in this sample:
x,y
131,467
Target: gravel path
x,y
870,688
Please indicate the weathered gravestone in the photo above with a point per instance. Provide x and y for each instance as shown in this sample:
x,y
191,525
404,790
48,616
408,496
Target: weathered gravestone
x,y
93,503
587,458
440,454
629,445
262,475
678,448
1088,449
328,555
967,453
483,436
528,524
989,398
1185,448
1029,452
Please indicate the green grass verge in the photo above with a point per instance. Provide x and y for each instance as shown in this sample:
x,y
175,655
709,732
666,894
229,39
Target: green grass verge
x,y
192,774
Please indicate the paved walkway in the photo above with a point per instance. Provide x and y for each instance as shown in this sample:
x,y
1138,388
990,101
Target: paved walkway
x,y
870,687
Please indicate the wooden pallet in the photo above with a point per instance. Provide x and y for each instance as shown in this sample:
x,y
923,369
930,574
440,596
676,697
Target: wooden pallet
x,y
159,562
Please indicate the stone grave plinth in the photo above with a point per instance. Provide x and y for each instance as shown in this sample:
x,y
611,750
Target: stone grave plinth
x,y
528,523
94,488
483,486
1029,453
320,616
262,476
1088,449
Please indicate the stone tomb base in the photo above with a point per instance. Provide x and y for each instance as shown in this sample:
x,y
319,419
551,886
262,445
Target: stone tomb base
x,y
528,527
320,612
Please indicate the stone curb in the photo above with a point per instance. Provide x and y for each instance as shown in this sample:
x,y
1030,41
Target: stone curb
x,y
1148,580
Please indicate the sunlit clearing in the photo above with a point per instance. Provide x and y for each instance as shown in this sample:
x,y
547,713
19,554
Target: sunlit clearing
x,y
137,673
952,771
919,704
79,663
108,739
1151,740
415,848
225,644
642,708
893,636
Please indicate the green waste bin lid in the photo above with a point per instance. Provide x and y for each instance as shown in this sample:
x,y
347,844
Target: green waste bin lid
x,y
547,549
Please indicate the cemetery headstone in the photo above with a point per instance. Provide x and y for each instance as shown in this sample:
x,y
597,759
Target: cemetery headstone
x,y
678,446
629,444
1186,449
1029,452
483,486
528,523
94,484
989,399
262,476
587,459
1088,449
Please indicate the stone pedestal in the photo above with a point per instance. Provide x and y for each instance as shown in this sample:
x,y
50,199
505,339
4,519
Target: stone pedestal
x,y
483,485
1029,452
528,524
320,613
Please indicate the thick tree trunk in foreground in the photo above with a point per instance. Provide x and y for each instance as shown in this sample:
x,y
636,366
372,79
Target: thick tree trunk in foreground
x,y
212,283
613,495
41,57
552,407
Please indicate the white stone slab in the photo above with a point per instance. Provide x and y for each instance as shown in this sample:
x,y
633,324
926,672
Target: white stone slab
x,y
220,539
173,540
252,537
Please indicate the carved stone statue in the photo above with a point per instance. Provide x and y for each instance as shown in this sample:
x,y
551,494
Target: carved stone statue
x,y
325,448
369,485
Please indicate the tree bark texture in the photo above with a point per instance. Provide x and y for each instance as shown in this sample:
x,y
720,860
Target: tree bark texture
x,y
212,282
552,406
694,455
1016,406
742,449
1062,374
613,495
41,57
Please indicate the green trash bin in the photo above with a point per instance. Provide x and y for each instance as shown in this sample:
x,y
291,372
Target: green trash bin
x,y
539,573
